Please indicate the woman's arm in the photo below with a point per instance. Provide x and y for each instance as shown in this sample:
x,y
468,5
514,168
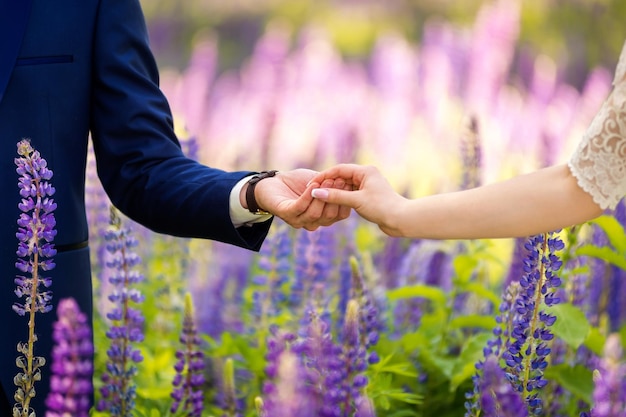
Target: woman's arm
x,y
545,200
542,201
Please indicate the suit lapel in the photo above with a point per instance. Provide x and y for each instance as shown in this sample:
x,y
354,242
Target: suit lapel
x,y
13,19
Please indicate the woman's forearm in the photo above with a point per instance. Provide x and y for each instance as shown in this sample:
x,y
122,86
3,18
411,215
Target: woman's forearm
x,y
542,201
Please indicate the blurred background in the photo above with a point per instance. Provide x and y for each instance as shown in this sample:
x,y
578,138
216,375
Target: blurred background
x,y
582,32
407,85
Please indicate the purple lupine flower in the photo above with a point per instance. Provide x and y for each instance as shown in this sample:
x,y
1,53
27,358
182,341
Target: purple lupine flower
x,y
119,392
218,299
313,264
495,346
72,363
189,367
365,407
609,394
471,155
526,355
274,265
600,283
323,363
616,297
290,395
516,269
35,250
425,262
344,279
354,357
277,343
498,397
369,323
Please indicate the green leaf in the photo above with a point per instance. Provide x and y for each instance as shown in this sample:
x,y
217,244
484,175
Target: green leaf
x,y
403,368
464,267
383,402
444,365
605,253
595,341
475,320
482,291
405,397
571,324
614,231
404,413
435,294
465,364
578,379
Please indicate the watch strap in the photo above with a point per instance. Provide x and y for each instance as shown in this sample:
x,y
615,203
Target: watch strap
x,y
253,206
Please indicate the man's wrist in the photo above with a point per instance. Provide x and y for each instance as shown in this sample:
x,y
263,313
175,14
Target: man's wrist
x,y
239,213
249,191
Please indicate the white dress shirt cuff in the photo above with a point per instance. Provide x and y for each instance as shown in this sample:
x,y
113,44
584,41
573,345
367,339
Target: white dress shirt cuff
x,y
239,215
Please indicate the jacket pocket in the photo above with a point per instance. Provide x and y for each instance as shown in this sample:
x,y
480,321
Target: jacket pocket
x,y
43,60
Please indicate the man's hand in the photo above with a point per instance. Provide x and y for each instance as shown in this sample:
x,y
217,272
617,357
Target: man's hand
x,y
287,196
373,197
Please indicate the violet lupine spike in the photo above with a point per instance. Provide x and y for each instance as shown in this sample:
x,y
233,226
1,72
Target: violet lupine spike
x,y
35,233
72,363
365,407
277,343
313,265
119,392
471,153
354,358
189,378
290,395
495,347
498,397
609,394
369,323
527,353
324,365
274,264
616,294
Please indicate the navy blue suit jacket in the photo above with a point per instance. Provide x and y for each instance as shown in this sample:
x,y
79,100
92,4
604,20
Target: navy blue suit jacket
x,y
73,67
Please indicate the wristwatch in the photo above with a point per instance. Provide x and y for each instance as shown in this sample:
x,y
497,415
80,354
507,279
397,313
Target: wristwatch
x,y
253,206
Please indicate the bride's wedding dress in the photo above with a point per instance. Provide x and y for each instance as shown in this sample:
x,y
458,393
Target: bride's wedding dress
x,y
599,162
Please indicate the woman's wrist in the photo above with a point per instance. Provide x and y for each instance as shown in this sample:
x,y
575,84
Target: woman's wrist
x,y
395,222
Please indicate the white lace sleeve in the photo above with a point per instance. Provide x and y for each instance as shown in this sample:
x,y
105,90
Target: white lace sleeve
x,y
599,162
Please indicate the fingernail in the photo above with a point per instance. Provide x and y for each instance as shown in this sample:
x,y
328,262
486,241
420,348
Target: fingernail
x,y
319,193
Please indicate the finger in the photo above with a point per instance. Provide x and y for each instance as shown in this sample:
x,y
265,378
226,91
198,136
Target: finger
x,y
333,212
302,203
347,172
315,210
341,197
344,211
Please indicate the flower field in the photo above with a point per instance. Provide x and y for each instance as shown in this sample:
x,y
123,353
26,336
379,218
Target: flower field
x,y
345,321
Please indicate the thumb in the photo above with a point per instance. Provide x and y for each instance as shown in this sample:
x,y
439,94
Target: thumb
x,y
336,196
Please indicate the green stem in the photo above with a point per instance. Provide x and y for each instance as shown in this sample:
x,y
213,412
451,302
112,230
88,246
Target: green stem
x,y
30,382
534,321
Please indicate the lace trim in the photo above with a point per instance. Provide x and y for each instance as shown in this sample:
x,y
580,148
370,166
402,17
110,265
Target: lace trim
x,y
599,163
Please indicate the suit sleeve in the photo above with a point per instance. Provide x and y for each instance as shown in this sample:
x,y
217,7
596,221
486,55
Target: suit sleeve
x,y
139,159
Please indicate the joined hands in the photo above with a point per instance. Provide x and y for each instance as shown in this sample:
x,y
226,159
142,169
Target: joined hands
x,y
288,196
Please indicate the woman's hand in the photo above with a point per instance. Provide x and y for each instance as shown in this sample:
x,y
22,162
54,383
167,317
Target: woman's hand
x,y
367,191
